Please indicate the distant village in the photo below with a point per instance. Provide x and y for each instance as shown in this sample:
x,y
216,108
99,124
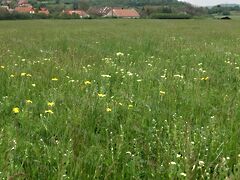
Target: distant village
x,y
24,7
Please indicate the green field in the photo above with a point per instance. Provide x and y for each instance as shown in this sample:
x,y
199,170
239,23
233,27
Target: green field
x,y
120,99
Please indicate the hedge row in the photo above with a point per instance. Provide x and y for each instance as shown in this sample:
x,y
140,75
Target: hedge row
x,y
170,16
15,16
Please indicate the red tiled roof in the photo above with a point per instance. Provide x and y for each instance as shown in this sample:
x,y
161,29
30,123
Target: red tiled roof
x,y
79,12
24,10
125,13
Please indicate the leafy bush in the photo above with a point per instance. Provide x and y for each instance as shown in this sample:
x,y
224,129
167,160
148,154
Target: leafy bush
x,y
169,16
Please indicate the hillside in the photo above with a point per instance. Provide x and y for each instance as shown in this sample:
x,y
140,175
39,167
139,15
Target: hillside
x,y
130,2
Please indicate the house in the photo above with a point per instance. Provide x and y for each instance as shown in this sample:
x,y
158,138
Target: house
x,y
25,9
99,11
81,13
6,9
123,13
43,11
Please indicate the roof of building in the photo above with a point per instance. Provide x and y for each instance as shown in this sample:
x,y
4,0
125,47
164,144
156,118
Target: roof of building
x,y
24,9
100,11
125,13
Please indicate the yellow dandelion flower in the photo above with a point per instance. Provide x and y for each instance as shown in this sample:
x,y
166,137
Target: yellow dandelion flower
x,y
2,67
28,75
87,82
23,74
28,101
12,76
101,95
15,110
50,104
162,93
130,106
108,109
205,78
54,79
49,111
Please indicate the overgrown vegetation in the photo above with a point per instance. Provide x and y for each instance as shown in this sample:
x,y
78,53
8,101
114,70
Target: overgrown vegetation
x,y
122,99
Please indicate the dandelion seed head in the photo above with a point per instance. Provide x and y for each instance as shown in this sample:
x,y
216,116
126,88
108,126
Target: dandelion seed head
x,y
201,163
183,174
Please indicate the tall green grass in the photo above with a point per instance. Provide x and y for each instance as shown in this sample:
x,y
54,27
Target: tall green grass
x,y
133,99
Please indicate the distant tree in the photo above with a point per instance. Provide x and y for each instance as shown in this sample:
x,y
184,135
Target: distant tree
x,y
84,5
56,9
236,8
226,13
75,4
166,9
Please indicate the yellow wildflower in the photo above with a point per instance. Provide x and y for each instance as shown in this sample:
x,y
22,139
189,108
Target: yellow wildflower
x,y
33,85
162,93
87,83
54,79
108,109
120,54
12,76
15,110
23,74
28,101
50,104
49,111
29,75
101,95
2,67
130,106
205,78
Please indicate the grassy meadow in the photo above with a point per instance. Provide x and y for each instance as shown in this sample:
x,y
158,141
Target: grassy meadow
x,y
120,99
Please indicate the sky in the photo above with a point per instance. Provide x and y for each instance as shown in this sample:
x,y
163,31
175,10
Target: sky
x,y
211,2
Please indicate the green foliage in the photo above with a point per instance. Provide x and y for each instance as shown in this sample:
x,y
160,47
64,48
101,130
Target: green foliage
x,y
169,16
224,10
226,13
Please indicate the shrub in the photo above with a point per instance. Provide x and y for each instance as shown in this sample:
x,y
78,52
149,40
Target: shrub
x,y
169,16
